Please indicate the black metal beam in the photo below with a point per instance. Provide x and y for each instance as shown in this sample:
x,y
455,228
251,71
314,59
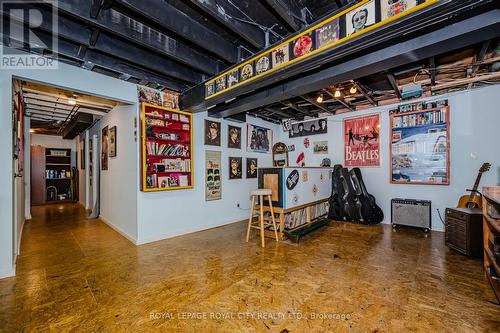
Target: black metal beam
x,y
176,21
455,36
394,84
230,17
138,33
279,112
289,12
296,108
433,69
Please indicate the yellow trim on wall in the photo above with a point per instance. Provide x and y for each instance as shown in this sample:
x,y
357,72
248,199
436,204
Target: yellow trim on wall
x,y
314,52
144,187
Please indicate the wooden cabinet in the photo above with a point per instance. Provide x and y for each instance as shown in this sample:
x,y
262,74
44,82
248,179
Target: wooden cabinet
x,y
37,175
491,236
464,231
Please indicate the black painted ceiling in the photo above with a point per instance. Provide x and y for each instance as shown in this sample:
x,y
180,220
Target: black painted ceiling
x,y
172,44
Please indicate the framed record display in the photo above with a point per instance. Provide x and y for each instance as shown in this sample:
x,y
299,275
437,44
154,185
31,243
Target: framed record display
x,y
303,45
328,33
391,8
420,147
361,17
263,64
281,55
362,141
246,72
233,78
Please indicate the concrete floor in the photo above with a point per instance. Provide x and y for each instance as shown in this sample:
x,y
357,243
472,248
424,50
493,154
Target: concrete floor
x,y
79,275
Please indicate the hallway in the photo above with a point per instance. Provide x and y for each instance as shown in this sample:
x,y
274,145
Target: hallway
x,y
80,274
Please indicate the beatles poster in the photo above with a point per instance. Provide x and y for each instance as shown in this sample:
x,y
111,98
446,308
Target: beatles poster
x,y
213,181
362,141
309,127
259,139
104,148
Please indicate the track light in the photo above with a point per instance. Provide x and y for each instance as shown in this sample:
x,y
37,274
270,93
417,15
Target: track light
x,y
337,93
353,90
320,98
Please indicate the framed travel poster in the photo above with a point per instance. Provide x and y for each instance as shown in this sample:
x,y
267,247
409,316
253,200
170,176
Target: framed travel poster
x,y
420,147
362,141
360,18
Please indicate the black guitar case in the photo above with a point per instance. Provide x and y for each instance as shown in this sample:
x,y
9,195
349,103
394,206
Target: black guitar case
x,y
351,206
335,211
369,211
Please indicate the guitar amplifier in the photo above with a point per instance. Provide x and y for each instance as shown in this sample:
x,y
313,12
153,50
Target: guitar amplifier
x,y
410,212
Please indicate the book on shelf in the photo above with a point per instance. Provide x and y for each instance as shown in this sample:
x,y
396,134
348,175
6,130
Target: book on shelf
x,y
163,149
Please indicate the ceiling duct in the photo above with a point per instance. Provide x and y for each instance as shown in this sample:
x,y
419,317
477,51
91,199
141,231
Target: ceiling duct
x,y
79,123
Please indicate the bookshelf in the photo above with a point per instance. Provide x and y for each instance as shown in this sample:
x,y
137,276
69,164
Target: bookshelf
x,y
58,175
491,236
167,147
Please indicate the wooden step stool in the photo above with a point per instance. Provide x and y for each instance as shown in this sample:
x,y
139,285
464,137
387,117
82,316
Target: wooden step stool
x,y
261,222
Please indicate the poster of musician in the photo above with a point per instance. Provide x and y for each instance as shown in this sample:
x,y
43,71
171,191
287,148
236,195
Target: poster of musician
x,y
362,141
259,139
213,181
308,128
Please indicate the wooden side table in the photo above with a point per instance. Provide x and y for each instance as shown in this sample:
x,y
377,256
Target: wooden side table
x,y
464,231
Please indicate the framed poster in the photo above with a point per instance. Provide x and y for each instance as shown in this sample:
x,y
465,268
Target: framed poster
x,y
281,55
212,133
213,181
259,139
234,137
112,141
420,147
328,33
360,18
302,45
252,166
150,95
235,167
170,99
104,148
320,147
362,141
309,127
390,8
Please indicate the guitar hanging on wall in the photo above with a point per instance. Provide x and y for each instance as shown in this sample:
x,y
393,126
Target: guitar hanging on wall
x,y
473,200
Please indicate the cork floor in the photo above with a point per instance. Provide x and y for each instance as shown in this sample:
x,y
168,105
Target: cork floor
x,y
81,276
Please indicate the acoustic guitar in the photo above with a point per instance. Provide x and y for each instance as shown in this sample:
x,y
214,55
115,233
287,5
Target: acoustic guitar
x,y
473,200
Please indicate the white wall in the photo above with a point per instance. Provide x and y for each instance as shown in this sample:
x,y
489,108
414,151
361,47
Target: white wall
x,y
120,183
66,76
172,213
52,141
474,130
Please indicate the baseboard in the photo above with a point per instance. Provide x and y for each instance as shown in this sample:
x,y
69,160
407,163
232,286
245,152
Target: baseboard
x,y
20,238
186,232
118,230
8,273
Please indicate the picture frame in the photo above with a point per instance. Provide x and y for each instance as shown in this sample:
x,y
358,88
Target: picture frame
x,y
259,139
233,137
308,128
235,168
252,165
362,141
212,133
112,141
104,148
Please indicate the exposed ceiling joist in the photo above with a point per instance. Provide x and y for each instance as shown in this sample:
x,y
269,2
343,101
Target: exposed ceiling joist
x,y
289,12
479,57
170,18
394,84
231,17
332,95
316,104
279,112
48,97
296,108
364,93
45,114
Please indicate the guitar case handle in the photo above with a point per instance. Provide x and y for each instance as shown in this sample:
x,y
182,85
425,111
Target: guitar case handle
x,y
474,191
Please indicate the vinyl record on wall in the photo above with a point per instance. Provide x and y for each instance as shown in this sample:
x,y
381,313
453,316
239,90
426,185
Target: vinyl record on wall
x,y
263,64
246,72
302,45
281,55
328,33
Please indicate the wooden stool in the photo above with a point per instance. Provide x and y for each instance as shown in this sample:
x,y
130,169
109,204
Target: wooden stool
x,y
261,223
